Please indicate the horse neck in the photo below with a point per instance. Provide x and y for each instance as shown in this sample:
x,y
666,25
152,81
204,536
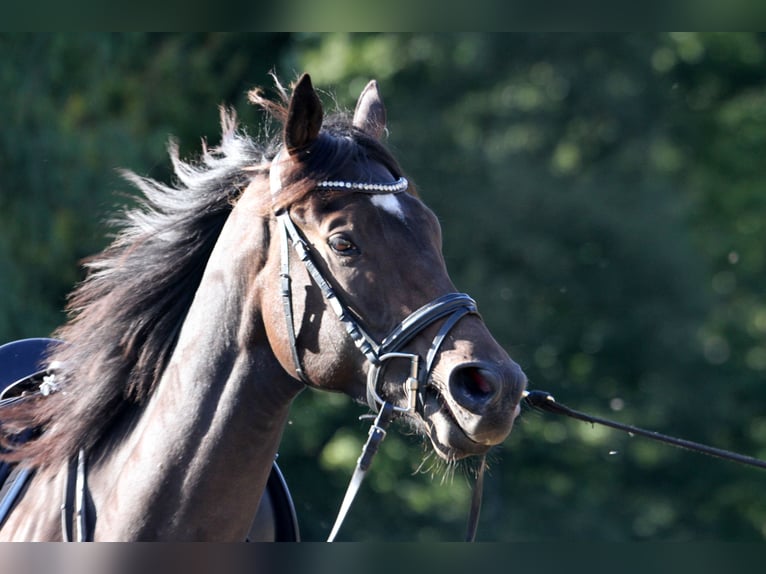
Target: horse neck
x,y
198,460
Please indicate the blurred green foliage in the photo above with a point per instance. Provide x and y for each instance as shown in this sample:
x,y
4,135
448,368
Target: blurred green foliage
x,y
602,197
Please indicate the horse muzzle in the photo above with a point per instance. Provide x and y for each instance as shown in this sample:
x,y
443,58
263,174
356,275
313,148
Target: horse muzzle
x,y
474,409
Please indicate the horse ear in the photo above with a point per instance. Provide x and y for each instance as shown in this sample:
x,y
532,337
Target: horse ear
x,y
370,113
304,116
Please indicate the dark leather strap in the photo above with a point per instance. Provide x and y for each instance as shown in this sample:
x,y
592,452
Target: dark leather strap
x,y
476,495
287,302
412,325
67,505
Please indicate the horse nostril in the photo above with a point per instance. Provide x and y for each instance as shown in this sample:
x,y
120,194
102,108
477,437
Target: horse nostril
x,y
477,382
474,387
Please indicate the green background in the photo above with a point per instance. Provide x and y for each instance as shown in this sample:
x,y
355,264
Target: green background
x,y
602,198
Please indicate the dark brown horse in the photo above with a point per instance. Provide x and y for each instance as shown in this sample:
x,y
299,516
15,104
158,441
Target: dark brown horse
x,y
197,327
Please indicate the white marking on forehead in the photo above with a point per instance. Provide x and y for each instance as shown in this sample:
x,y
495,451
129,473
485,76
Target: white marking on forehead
x,y
388,202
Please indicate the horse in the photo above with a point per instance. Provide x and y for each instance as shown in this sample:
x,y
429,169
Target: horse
x,y
301,259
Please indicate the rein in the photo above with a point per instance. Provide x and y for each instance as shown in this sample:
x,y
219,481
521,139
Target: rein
x,y
545,401
452,306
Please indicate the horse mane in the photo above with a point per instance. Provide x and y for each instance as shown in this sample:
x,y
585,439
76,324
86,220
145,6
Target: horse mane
x,y
124,318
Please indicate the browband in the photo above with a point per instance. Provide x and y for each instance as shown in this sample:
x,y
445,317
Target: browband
x,y
397,186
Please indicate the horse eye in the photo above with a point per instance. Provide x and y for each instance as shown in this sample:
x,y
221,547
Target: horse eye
x,y
342,245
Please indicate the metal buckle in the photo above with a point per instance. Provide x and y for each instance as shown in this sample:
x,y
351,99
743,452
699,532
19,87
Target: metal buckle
x,y
410,384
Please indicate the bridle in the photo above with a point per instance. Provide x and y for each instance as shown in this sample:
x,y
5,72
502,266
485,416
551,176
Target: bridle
x,y
451,307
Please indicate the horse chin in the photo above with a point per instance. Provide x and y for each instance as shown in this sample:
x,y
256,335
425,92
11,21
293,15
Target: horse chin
x,y
448,438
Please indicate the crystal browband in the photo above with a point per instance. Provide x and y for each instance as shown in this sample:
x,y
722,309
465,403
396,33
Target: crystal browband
x,y
275,182
397,186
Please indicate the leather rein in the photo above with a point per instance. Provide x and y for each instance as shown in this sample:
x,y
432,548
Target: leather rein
x,y
452,307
